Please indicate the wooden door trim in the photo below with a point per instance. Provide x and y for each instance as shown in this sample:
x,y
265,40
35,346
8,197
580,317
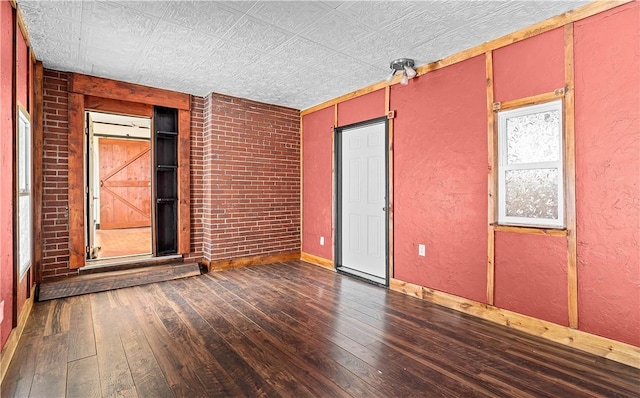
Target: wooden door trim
x,y
116,90
104,94
116,106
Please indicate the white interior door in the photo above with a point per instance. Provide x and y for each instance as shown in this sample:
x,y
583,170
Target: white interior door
x,y
363,202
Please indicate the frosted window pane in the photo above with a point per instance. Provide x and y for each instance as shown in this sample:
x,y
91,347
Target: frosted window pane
x,y
25,233
534,138
532,193
22,158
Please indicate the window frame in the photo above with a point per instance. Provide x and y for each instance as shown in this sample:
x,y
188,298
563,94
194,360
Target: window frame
x,y
504,167
24,189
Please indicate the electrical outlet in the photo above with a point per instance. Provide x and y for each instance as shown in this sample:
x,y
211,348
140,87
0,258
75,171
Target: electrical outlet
x,y
422,250
322,241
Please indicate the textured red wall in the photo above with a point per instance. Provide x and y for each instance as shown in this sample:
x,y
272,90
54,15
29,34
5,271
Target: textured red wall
x,y
252,168
607,61
317,205
529,67
22,94
6,170
22,75
440,177
531,275
360,109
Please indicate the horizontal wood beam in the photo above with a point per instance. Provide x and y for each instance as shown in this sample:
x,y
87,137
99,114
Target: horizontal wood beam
x,y
530,230
533,100
118,106
597,345
118,90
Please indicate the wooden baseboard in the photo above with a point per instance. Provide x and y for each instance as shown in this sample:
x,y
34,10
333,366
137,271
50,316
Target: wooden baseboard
x,y
12,343
218,265
597,345
315,260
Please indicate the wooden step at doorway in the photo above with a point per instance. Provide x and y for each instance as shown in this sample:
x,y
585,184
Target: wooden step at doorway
x,y
99,282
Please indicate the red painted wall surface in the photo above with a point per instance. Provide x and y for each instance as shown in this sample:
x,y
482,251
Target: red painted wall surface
x,y
22,77
607,52
6,170
317,190
531,275
360,109
440,177
529,67
22,94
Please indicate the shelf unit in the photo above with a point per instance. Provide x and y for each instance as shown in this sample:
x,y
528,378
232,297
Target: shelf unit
x,y
166,179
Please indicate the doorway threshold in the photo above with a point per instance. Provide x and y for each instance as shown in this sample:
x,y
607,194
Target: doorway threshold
x,y
127,262
373,279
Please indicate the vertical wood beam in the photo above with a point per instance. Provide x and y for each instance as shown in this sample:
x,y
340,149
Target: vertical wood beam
x,y
570,177
492,179
184,183
38,145
14,188
301,184
77,253
387,108
334,194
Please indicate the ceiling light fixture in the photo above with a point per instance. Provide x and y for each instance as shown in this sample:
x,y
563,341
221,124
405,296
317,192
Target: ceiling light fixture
x,y
406,66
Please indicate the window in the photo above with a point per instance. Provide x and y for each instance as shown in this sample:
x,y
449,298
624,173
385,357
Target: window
x,y
530,169
24,192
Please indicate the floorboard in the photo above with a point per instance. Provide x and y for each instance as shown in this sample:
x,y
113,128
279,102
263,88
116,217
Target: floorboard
x,y
288,330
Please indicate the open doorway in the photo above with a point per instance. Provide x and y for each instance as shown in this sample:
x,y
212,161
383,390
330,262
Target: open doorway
x,y
118,185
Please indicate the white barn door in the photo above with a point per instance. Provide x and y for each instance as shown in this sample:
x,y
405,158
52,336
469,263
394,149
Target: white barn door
x,y
362,249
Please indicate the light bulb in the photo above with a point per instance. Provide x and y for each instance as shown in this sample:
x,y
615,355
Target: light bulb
x,y
409,71
391,75
404,80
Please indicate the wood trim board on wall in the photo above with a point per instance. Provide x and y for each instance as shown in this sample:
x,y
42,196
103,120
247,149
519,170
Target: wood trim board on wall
x,y
117,90
219,265
600,346
570,178
105,94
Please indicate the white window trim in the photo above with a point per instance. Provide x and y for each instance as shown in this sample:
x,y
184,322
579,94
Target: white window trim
x,y
503,167
23,160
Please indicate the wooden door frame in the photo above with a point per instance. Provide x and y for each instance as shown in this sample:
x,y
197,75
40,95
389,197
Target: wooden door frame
x,y
338,193
104,95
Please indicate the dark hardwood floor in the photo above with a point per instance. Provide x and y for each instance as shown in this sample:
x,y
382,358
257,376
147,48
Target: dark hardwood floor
x,y
290,330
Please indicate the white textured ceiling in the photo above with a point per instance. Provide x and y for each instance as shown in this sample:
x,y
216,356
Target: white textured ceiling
x,y
291,53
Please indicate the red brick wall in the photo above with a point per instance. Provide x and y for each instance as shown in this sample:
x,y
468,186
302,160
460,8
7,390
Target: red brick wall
x,y
251,178
245,178
55,198
197,181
